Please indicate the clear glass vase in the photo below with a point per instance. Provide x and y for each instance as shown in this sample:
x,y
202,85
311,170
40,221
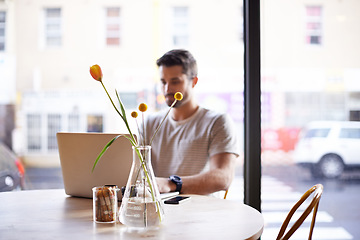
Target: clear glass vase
x,y
141,205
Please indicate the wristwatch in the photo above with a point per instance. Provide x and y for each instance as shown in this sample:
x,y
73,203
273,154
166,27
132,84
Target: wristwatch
x,y
177,180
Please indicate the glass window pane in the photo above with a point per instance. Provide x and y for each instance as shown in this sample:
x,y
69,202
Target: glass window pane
x,y
317,133
2,30
74,122
311,103
54,126
34,132
94,123
53,35
180,26
125,40
113,29
350,133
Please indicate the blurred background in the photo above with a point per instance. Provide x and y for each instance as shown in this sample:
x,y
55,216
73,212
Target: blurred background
x,y
310,71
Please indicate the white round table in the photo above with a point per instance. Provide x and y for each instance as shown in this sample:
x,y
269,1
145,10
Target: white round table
x,y
51,214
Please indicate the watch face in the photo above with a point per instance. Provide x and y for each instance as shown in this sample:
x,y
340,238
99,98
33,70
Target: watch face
x,y
176,178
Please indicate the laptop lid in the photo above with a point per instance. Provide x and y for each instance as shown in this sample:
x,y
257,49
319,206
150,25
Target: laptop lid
x,y
78,152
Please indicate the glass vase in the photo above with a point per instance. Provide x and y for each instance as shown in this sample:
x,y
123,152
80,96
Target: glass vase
x,y
141,205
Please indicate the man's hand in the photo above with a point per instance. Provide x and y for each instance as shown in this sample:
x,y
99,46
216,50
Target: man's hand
x,y
219,177
165,185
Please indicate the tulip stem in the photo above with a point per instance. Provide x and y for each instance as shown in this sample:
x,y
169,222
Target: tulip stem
x,y
111,100
117,110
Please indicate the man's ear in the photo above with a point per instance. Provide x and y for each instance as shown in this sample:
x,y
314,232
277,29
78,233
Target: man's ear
x,y
194,81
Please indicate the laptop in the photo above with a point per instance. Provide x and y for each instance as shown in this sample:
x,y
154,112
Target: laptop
x,y
78,152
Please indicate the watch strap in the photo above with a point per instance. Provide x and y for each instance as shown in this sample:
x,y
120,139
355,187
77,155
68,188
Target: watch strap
x,y
178,182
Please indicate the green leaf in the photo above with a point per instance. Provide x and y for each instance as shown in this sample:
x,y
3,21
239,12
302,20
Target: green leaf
x,y
121,106
108,145
104,150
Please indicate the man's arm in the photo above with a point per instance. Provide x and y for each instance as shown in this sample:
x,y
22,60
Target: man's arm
x,y
219,177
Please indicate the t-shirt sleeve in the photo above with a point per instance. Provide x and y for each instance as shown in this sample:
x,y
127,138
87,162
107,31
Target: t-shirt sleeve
x,y
224,137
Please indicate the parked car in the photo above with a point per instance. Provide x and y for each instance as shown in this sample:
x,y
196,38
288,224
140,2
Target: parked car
x,y
11,170
329,148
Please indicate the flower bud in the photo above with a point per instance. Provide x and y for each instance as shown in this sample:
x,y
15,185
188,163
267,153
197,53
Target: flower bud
x,y
142,107
134,114
178,96
96,72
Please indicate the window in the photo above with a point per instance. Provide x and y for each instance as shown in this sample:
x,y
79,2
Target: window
x,y
112,26
350,133
34,132
74,122
354,115
313,25
54,126
95,123
53,35
2,30
181,26
317,133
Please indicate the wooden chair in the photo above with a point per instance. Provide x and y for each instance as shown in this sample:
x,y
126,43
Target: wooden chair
x,y
313,206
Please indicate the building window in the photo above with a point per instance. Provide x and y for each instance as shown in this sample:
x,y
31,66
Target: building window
x,y
95,123
53,36
74,122
54,126
2,30
112,26
33,132
181,26
313,28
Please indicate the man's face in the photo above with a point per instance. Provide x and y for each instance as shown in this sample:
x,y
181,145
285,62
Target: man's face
x,y
174,80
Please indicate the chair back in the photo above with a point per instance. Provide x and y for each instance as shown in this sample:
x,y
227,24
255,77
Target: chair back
x,y
313,206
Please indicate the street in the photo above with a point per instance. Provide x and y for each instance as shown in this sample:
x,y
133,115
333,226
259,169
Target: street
x,y
338,217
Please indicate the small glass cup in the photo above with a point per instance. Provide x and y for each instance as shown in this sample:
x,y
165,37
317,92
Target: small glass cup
x,y
105,204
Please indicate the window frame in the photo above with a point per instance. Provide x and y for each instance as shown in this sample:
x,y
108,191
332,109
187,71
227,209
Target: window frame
x,y
252,105
180,36
3,26
313,20
54,33
112,21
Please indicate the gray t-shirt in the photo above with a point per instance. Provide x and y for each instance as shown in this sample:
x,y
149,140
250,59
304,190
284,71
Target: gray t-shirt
x,y
184,147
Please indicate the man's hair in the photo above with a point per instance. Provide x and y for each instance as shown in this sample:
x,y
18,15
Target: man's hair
x,y
180,57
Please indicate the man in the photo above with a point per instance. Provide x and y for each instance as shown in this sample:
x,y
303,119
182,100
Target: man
x,y
195,149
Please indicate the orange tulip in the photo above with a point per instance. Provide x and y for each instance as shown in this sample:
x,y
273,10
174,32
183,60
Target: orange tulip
x,y
96,72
